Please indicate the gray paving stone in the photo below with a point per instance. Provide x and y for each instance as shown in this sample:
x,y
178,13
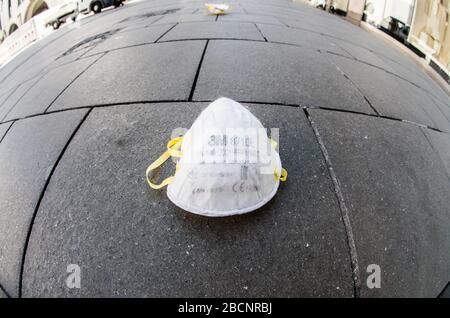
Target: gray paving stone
x,y
391,55
386,92
211,30
441,144
38,98
137,14
141,19
364,55
4,129
250,18
6,91
82,43
130,240
397,193
267,72
2,293
134,37
446,292
159,72
300,37
444,108
276,11
43,57
414,75
412,71
5,96
417,96
98,207
27,155
12,100
331,26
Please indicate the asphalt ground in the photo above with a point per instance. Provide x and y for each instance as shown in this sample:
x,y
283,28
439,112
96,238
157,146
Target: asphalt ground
x,y
364,134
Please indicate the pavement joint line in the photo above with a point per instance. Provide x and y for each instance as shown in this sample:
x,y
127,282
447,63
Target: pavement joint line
x,y
6,132
220,20
44,189
343,208
378,116
147,25
366,99
80,58
439,107
283,23
91,48
167,31
346,51
380,55
217,17
131,103
237,39
9,95
236,21
212,39
351,57
26,60
44,72
275,42
73,80
37,79
437,154
439,110
194,84
334,53
364,47
260,32
269,103
434,97
96,106
357,88
441,294
4,291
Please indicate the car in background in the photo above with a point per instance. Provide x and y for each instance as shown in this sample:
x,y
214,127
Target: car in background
x,y
321,4
339,7
68,10
395,28
96,6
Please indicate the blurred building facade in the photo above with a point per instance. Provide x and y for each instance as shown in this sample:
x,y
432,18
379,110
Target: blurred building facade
x,y
14,13
377,10
430,33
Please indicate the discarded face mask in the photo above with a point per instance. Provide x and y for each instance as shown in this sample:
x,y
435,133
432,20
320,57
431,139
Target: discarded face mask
x,y
217,8
227,164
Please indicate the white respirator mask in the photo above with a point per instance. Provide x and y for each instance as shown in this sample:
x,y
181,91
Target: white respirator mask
x,y
227,165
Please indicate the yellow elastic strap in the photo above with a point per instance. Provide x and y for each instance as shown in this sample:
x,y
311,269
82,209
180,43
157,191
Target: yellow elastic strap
x,y
283,175
273,143
215,11
284,172
172,150
173,147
